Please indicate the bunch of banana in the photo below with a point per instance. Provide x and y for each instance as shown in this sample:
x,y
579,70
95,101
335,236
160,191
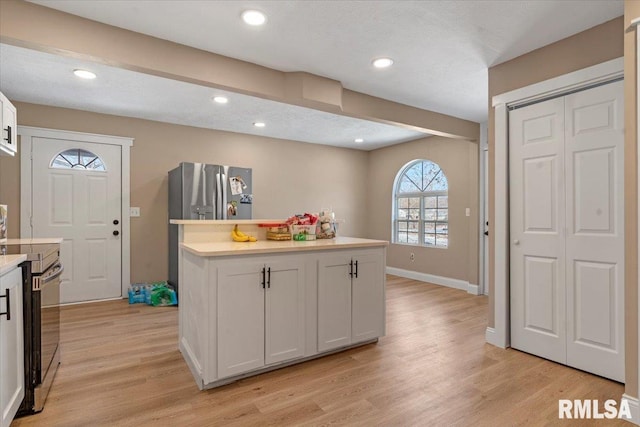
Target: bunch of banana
x,y
239,236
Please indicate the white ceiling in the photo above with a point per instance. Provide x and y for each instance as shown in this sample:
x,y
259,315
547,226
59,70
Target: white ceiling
x,y
442,49
41,78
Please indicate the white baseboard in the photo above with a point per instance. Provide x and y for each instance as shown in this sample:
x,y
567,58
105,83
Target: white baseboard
x,y
473,289
634,406
436,280
492,338
91,301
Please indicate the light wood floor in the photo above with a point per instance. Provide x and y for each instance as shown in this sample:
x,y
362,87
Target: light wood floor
x,y
121,367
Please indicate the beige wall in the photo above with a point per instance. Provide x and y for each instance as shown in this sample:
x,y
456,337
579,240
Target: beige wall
x,y
297,176
459,161
288,177
594,46
10,193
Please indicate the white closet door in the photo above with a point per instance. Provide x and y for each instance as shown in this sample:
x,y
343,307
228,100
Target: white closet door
x,y
537,208
594,158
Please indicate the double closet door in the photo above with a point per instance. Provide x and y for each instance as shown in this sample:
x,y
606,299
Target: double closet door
x,y
566,170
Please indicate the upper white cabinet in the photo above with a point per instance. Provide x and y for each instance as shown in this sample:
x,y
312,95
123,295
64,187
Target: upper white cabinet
x,y
9,123
11,346
350,298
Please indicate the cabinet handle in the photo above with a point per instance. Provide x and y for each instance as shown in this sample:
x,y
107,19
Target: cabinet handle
x,y
7,295
351,269
356,269
263,278
8,138
269,278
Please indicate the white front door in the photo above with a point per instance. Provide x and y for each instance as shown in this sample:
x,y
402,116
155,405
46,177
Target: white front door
x,y
566,229
82,203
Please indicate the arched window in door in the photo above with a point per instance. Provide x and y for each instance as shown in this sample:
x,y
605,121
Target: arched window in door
x,y
77,158
421,205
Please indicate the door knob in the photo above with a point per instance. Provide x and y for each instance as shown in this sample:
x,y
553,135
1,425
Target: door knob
x,y
116,222
116,232
516,242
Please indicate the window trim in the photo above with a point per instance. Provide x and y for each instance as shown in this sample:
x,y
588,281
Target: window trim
x,y
395,221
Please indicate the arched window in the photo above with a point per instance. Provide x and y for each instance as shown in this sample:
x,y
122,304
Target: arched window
x,y
77,158
421,205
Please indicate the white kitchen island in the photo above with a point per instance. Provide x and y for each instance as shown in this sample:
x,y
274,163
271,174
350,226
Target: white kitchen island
x,y
250,307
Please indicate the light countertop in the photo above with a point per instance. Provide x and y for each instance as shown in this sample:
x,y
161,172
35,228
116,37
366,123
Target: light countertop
x,y
9,262
225,221
228,248
40,241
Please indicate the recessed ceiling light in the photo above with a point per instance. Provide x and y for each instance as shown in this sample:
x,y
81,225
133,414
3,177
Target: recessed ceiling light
x,y
259,124
221,99
382,62
84,74
358,140
254,17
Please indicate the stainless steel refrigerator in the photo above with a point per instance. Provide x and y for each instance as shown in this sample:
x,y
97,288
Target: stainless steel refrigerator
x,y
203,191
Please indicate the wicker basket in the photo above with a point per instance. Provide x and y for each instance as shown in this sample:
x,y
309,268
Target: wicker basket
x,y
274,235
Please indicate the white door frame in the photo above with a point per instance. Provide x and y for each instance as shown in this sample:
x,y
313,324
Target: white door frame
x,y
483,285
27,133
499,335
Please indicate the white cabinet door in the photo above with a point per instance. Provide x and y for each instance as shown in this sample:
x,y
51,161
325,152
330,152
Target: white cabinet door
x,y
9,134
350,298
367,293
240,306
11,347
334,302
284,317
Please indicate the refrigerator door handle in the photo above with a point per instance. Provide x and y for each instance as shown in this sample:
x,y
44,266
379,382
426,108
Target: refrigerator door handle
x,y
218,198
203,179
223,184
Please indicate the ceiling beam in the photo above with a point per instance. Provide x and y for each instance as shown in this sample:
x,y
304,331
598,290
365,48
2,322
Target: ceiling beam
x,y
40,28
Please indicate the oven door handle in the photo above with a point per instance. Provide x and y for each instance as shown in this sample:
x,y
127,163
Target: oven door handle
x,y
53,276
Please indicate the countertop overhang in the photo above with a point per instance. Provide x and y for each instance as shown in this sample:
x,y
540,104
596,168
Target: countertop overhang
x,y
225,221
35,241
9,262
230,248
